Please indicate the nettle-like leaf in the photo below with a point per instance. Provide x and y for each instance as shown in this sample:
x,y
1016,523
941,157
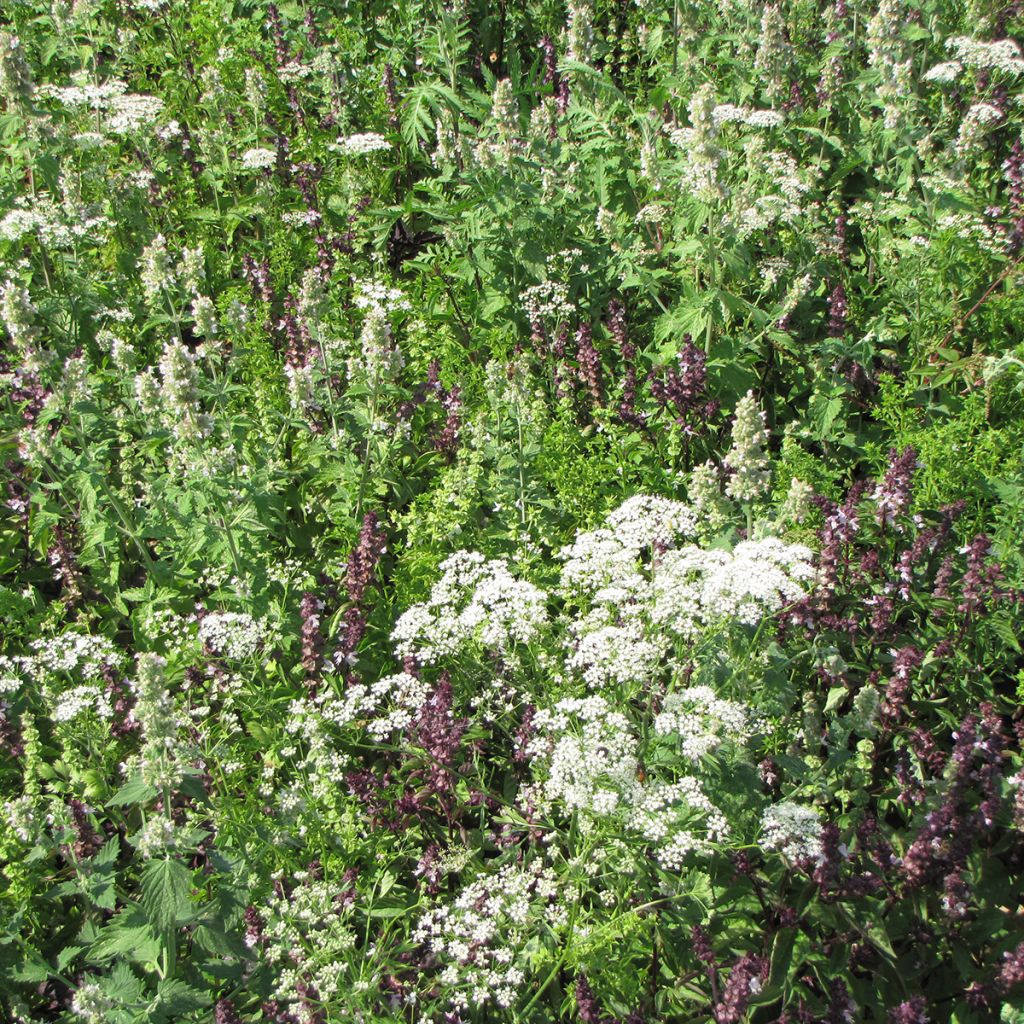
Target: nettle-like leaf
x,y
128,934
166,885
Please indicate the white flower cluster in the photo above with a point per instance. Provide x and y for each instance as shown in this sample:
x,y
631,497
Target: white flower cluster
x,y
125,112
977,121
70,654
607,653
234,635
1003,55
693,589
889,54
379,356
797,505
604,564
945,73
586,753
404,694
482,934
18,313
154,709
91,1004
56,225
376,294
71,703
682,589
705,492
728,113
176,398
475,600
703,721
309,939
589,754
258,159
792,829
84,94
156,838
75,652
645,521
547,301
699,143
24,817
677,818
133,112
358,145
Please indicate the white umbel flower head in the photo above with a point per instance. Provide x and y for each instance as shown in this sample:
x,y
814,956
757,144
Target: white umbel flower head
x,y
792,829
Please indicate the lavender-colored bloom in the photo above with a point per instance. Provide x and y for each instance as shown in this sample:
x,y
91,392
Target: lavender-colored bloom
x,y
976,995
281,51
837,312
841,1007
275,1013
893,494
618,329
87,841
351,634
254,925
589,361
681,391
61,555
910,1012
980,578
10,737
745,980
225,1013
826,872
702,948
956,896
627,410
587,1007
364,558
312,637
1011,972
439,733
447,441
122,701
905,662
524,734
1013,169
842,246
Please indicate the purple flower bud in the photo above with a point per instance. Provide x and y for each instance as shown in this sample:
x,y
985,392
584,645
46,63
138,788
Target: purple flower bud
x,y
312,637
225,1013
364,558
837,312
587,1007
745,980
893,494
589,361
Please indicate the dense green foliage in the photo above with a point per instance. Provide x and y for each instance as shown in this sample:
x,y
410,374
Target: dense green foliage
x,y
511,512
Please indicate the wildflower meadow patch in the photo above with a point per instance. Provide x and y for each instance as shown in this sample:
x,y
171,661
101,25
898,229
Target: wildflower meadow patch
x,y
511,513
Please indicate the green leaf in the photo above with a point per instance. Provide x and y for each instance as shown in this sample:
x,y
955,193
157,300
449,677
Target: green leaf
x,y
835,697
122,985
134,791
176,997
166,885
128,933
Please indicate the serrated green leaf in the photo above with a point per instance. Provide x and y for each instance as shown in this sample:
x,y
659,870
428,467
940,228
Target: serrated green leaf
x,y
134,791
166,885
